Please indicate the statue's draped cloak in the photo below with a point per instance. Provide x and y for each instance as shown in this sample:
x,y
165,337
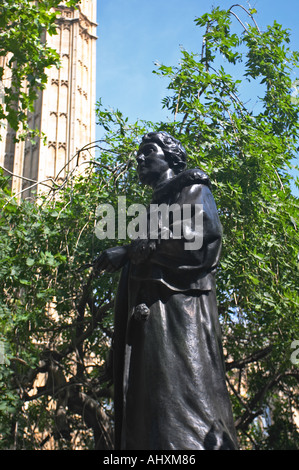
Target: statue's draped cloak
x,y
169,378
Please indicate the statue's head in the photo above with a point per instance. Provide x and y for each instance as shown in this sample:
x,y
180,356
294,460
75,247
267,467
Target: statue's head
x,y
172,148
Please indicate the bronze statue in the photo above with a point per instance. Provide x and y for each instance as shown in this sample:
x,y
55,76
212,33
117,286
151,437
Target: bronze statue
x,y
169,377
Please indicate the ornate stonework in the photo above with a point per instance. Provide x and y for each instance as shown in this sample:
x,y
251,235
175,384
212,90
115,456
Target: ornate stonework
x,y
65,110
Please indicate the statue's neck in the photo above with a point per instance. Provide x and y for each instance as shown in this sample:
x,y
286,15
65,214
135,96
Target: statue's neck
x,y
166,176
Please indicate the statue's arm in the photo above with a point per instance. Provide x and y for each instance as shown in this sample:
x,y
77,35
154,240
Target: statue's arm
x,y
207,231
173,252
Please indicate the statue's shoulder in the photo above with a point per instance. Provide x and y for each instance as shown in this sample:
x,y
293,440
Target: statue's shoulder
x,y
192,176
181,181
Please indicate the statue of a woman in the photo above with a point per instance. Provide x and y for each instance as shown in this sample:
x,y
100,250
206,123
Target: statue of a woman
x,y
169,377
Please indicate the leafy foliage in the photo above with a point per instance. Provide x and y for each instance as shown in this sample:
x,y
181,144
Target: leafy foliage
x,y
48,308
54,379
23,28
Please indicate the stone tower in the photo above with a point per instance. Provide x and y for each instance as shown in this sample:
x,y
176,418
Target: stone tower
x,y
64,111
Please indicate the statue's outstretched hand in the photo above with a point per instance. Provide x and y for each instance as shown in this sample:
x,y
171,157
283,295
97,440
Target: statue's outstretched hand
x,y
111,260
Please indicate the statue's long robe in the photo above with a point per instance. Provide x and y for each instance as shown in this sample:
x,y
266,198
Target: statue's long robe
x,y
169,378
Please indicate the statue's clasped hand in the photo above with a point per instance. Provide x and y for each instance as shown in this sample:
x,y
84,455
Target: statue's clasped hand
x,y
141,249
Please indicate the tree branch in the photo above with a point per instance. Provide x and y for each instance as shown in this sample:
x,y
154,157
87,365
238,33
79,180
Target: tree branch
x,y
247,360
94,417
254,407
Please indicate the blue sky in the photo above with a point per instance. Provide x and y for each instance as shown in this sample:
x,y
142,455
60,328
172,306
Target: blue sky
x,y
134,34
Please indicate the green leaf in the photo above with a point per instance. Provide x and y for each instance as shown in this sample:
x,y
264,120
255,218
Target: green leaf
x,y
30,261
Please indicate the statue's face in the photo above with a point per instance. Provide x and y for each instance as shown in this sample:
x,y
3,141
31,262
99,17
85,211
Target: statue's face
x,y
151,163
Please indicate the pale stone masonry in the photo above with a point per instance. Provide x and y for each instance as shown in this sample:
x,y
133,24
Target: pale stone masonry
x,y
64,111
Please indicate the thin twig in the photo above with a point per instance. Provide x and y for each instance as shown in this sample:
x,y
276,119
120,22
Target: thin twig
x,y
17,176
178,102
236,16
281,185
26,189
248,13
56,186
